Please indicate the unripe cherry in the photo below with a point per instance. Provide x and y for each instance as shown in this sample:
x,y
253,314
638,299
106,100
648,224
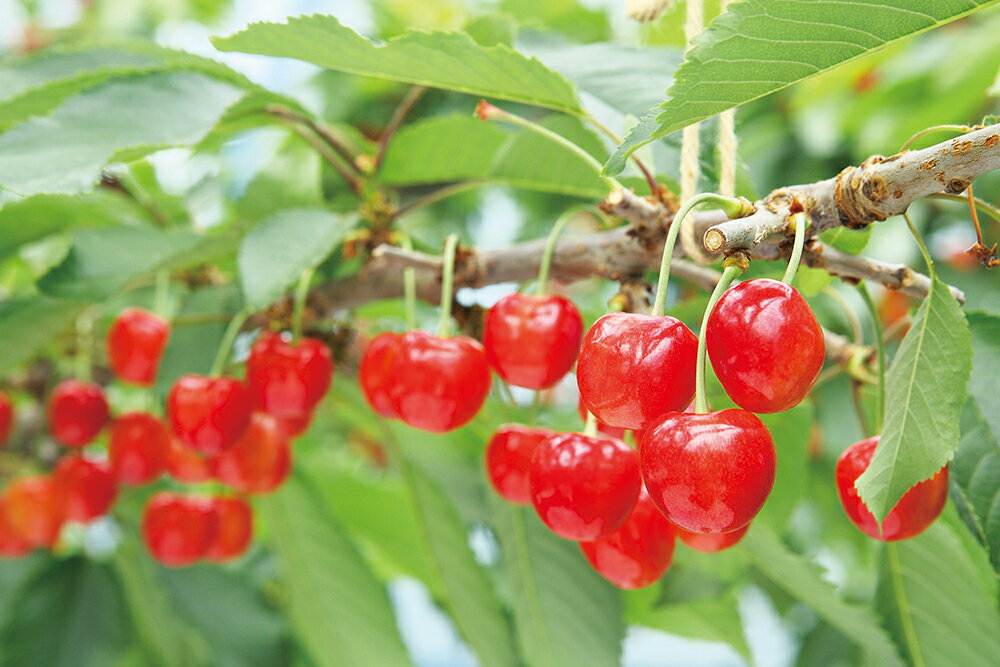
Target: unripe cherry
x,y
87,487
77,412
135,344
137,448
177,528
508,460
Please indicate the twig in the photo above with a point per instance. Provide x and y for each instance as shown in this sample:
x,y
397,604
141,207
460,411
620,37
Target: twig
x,y
398,116
437,195
324,133
327,152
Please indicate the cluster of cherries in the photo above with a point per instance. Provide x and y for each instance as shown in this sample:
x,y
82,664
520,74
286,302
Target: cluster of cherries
x,y
217,429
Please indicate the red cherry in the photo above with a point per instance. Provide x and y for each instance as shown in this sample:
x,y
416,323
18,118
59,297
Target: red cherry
x,y
638,553
708,473
178,529
137,448
77,412
438,384
917,509
6,417
12,545
209,414
711,543
610,431
584,488
633,368
34,510
765,345
532,341
295,426
508,460
87,487
376,372
288,379
136,342
234,529
186,465
260,461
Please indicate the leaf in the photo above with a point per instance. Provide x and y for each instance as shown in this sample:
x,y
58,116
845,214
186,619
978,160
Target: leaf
x,y
791,432
934,603
24,221
801,581
925,391
761,46
565,613
452,61
276,252
64,151
27,325
337,609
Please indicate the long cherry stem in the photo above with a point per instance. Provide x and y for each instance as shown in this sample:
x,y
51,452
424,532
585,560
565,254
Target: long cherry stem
x,y
731,271
550,247
228,339
299,304
447,284
590,426
800,221
410,289
161,299
880,346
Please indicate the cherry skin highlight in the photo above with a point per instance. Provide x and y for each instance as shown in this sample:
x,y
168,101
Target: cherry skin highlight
x,y
532,341
137,448
376,373
186,465
287,379
584,488
77,412
765,345
34,510
6,417
915,511
711,543
438,384
508,460
260,461
208,414
637,554
12,545
87,487
708,473
178,529
234,529
633,368
135,344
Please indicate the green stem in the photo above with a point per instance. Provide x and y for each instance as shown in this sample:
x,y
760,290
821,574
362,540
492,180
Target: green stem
x,y
447,284
852,318
228,339
437,195
590,426
920,243
800,221
299,304
936,128
729,274
161,299
550,247
880,346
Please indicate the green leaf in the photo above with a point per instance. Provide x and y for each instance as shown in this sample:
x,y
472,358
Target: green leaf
x,y
276,252
452,61
337,609
791,432
24,221
26,326
65,151
925,391
934,603
847,239
803,582
760,46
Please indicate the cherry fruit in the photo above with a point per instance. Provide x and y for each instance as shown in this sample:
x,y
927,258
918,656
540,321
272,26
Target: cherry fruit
x,y
234,529
610,431
287,379
508,460
34,510
178,529
136,342
137,448
186,465
12,545
87,487
915,511
77,412
708,473
711,543
376,372
209,414
6,417
260,461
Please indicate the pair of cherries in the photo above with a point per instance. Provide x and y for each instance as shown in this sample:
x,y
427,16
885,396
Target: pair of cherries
x,y
180,530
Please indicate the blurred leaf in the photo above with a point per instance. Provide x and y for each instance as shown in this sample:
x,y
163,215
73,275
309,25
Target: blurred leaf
x,y
791,432
847,239
492,29
440,60
27,220
925,391
27,325
291,179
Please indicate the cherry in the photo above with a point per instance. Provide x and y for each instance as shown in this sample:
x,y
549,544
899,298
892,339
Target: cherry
x,y
186,465
234,529
260,461
532,341
209,414
178,529
583,487
633,368
295,426
34,510
77,412
137,448
917,509
87,487
765,345
136,342
376,372
288,379
610,431
708,473
6,417
508,460
12,545
638,553
711,543
438,384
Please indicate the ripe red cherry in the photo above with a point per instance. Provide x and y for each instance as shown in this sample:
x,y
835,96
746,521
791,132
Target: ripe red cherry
x,y
77,412
87,487
633,368
234,529
711,543
178,529
532,341
209,414
12,545
295,426
917,509
186,465
708,473
638,553
260,461
583,487
438,384
376,372
611,431
6,417
508,460
288,379
34,510
765,345
136,342
137,448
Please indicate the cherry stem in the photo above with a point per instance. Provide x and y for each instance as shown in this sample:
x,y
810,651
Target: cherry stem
x,y
849,314
654,187
732,207
920,243
161,299
410,289
880,346
590,426
799,222
299,304
228,338
975,216
935,128
730,272
447,284
550,247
